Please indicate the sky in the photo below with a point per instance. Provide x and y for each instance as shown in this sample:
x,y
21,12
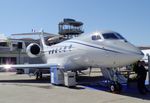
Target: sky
x,y
130,18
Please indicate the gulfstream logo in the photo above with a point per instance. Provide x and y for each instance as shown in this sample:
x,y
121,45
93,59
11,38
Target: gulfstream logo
x,y
61,49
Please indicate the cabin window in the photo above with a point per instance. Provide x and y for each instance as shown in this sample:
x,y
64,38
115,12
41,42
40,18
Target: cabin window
x,y
96,37
52,51
70,47
56,51
60,49
65,47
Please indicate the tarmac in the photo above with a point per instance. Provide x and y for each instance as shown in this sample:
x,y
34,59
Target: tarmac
x,y
24,89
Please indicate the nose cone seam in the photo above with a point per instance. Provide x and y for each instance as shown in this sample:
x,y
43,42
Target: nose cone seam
x,y
142,53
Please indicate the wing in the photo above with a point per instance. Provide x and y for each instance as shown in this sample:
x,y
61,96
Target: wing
x,y
40,66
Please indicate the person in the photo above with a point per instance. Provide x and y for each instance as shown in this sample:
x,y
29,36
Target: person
x,y
135,66
141,77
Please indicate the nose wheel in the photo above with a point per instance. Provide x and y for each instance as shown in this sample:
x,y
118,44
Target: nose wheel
x,y
115,87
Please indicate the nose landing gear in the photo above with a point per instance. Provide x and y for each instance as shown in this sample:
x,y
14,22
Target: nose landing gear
x,y
115,79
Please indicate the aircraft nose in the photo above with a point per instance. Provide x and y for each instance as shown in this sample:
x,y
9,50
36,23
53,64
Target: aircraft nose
x,y
141,55
138,55
133,57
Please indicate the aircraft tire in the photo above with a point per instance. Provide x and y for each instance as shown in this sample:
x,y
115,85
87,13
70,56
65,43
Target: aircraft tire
x,y
115,87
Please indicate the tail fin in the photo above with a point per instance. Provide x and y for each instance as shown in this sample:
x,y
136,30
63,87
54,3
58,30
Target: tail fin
x,y
42,40
39,34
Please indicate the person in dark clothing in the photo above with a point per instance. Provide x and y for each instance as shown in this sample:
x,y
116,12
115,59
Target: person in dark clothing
x,y
141,77
135,66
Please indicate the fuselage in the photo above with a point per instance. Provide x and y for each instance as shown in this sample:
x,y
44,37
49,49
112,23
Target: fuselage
x,y
146,53
98,49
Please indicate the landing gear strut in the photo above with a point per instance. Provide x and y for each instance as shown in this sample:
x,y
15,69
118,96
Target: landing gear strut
x,y
38,74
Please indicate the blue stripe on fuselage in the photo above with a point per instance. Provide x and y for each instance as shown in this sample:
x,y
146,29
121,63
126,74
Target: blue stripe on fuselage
x,y
94,46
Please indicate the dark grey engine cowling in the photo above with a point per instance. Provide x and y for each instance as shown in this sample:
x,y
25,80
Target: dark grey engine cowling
x,y
33,50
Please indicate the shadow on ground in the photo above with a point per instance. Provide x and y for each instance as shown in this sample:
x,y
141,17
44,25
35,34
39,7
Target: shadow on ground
x,y
96,83
43,80
25,82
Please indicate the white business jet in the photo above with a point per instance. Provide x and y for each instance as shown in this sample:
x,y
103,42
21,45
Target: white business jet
x,y
103,49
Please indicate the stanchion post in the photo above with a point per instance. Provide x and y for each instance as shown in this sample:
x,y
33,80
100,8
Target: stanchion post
x,y
149,68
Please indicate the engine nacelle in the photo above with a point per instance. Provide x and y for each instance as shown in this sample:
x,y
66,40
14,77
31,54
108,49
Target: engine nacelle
x,y
33,50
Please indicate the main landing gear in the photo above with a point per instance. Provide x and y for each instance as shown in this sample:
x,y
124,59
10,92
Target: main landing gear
x,y
38,74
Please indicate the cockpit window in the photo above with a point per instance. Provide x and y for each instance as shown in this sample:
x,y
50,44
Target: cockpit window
x,y
110,36
96,37
120,37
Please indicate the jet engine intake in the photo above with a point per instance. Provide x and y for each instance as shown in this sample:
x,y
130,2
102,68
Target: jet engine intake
x,y
33,50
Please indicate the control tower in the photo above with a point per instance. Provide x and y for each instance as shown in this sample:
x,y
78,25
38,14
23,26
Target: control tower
x,y
70,28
